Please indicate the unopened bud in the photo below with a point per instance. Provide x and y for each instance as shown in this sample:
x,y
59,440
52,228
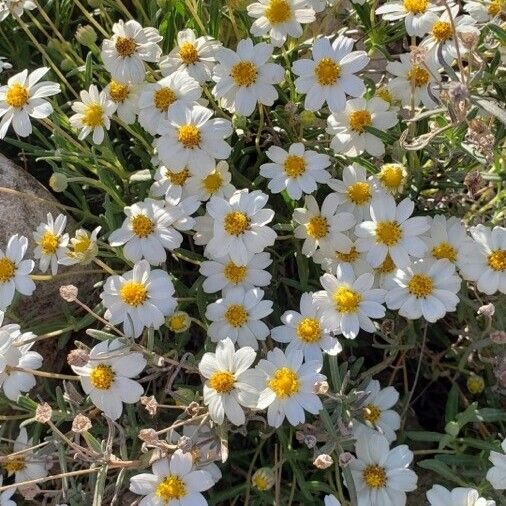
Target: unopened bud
x,y
58,182
345,458
457,91
69,293
469,35
487,310
475,384
321,387
67,64
43,413
81,424
86,35
452,428
323,461
263,479
78,357
307,119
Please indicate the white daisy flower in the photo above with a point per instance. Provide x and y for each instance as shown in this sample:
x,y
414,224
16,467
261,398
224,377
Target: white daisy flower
x,y
190,138
246,77
51,242
204,231
204,184
483,11
412,82
331,500
376,412
157,100
126,51
386,93
446,239
138,298
280,18
354,192
441,34
151,227
391,231
323,228
304,331
93,114
194,56
83,248
385,273
106,378
347,303
222,273
381,475
14,271
227,385
174,482
296,170
391,178
484,259
15,7
27,465
170,184
23,97
4,65
13,353
240,226
125,97
203,447
349,127
238,315
460,496
330,75
496,475
426,288
418,15
286,386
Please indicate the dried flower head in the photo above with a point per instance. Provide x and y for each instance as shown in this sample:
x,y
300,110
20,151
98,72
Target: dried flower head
x,y
78,357
43,413
69,293
323,461
80,424
498,336
150,403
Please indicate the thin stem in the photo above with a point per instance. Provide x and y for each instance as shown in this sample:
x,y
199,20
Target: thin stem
x,y
44,374
91,19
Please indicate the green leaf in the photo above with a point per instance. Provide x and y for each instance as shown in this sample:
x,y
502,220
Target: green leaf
x,y
452,404
492,107
442,470
500,32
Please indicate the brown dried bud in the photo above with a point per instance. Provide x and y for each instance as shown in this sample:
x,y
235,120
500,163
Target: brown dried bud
x,y
193,409
387,326
150,403
323,461
81,424
345,458
321,387
69,293
78,357
417,55
469,35
474,181
43,413
291,108
498,336
148,436
487,310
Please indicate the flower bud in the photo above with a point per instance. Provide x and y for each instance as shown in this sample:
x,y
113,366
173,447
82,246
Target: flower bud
x,y
487,310
475,384
345,458
452,428
323,461
67,64
179,322
263,479
307,119
58,182
86,35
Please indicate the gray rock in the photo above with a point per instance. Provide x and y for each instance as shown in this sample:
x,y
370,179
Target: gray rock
x,y
22,210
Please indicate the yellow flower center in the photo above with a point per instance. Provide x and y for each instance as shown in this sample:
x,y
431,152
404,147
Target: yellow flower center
x,y
163,98
278,11
360,120
244,73
359,193
7,269
178,322
318,227
17,95
348,257
374,476
171,488
416,6
420,285
418,76
235,273
444,250
125,46
222,382
236,223
391,176
118,92
294,166
260,482
346,300
284,383
388,233
189,136
387,266
188,53
93,115
497,260
178,178
14,464
49,242
142,226
371,413
308,330
236,315
385,94
442,31
102,376
82,243
213,182
133,293
327,72
494,8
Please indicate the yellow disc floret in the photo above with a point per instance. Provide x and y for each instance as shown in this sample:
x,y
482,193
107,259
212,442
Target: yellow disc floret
x,y
416,6
118,92
244,73
189,136
102,376
235,273
497,260
172,488
327,72
236,223
133,293
278,11
7,269
388,233
318,227
188,53
125,46
17,95
444,250
359,193
371,413
93,115
49,243
309,330
142,226
284,383
236,315
360,120
294,166
374,476
222,381
346,300
420,285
